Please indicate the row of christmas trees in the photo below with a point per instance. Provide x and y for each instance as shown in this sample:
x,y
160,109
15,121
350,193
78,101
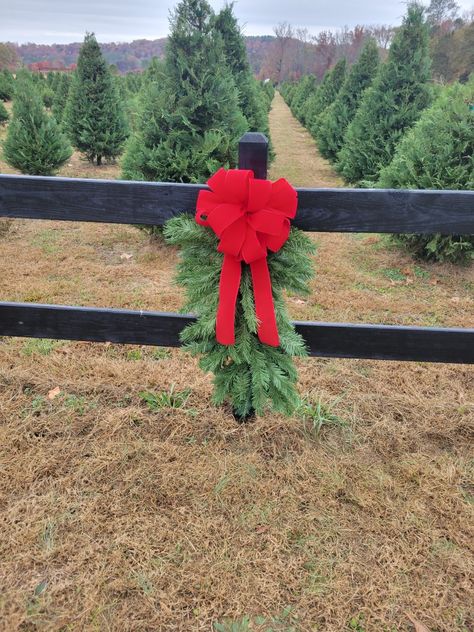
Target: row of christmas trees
x,y
182,119
386,125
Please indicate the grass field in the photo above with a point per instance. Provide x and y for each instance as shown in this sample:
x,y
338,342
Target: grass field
x,y
129,503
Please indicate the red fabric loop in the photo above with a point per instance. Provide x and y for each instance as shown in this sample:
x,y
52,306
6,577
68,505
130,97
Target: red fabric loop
x,y
250,217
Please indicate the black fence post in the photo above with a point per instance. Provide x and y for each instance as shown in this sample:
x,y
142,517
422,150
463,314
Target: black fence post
x,y
253,154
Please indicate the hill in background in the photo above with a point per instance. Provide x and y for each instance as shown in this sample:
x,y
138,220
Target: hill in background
x,y
127,56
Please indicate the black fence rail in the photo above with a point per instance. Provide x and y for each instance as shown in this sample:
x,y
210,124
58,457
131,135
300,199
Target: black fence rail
x,y
322,210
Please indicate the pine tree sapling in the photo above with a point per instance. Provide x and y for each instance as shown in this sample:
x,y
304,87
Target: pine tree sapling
x,y
6,85
94,115
392,104
335,119
61,93
324,94
438,153
35,145
3,114
301,94
248,374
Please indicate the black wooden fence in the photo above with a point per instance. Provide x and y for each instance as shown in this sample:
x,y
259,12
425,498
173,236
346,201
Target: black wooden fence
x,y
321,210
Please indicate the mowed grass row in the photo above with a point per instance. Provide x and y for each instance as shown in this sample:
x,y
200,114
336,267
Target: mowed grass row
x,y
130,503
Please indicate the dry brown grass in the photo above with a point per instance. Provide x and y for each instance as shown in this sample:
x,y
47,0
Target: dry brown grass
x,y
122,518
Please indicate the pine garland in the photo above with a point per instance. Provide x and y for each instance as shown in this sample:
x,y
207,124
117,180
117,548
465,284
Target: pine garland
x,y
250,375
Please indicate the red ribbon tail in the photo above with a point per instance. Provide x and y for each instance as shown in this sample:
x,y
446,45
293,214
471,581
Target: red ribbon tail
x,y
265,311
229,285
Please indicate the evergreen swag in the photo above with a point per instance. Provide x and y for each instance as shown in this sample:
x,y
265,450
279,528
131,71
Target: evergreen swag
x,y
34,143
249,375
94,116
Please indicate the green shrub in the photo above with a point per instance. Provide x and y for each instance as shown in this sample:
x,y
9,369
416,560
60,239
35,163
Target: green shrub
x,y
438,153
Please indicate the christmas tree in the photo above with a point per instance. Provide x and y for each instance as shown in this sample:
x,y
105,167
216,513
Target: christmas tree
x,y
6,85
438,153
335,119
191,123
301,94
62,86
392,104
34,143
324,96
3,114
251,100
94,116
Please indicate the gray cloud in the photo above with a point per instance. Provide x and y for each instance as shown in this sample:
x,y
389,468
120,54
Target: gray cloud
x,y
48,21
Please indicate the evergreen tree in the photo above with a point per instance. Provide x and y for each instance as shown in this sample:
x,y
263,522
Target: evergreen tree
x,y
392,104
190,124
251,101
6,85
48,96
249,374
3,114
94,116
325,94
301,94
335,119
438,153
34,143
63,84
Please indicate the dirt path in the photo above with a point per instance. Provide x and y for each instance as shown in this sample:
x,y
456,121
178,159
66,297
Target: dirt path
x,y
297,157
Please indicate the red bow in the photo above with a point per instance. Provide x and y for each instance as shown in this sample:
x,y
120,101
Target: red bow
x,y
249,216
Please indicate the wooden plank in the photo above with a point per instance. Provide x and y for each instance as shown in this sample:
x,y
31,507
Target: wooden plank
x,y
337,340
386,211
87,200
323,210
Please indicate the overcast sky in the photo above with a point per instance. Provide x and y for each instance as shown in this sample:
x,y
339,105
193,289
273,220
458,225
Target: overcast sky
x,y
63,21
